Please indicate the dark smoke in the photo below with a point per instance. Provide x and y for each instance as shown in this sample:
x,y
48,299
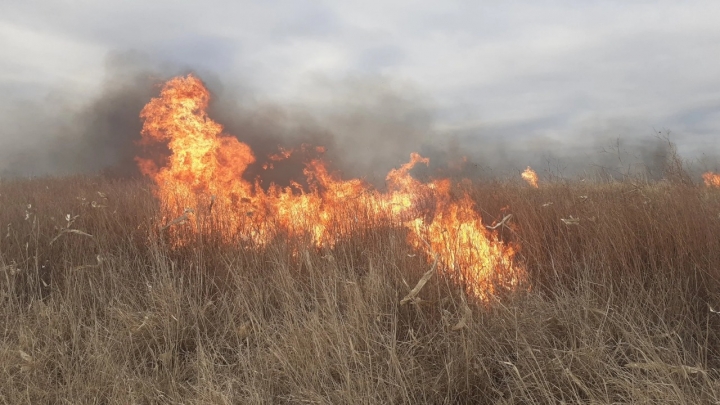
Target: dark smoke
x,y
371,126
368,131
99,137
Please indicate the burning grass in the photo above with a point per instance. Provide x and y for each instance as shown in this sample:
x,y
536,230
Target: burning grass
x,y
203,174
530,176
711,179
100,304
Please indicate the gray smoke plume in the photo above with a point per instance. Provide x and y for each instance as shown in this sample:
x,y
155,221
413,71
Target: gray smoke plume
x,y
366,132
51,139
370,126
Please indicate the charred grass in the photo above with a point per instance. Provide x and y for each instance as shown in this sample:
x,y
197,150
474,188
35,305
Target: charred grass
x,y
97,307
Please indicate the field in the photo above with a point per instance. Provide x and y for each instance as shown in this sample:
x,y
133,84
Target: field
x,y
99,305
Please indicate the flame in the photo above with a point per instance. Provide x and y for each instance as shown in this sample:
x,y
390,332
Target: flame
x,y
201,181
711,179
530,176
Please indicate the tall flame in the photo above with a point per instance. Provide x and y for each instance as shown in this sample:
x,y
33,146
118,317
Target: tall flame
x,y
711,179
530,176
204,174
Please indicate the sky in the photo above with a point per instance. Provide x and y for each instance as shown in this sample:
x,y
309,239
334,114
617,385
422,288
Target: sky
x,y
540,72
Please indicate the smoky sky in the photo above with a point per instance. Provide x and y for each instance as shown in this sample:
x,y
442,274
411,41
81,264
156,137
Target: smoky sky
x,y
565,86
371,127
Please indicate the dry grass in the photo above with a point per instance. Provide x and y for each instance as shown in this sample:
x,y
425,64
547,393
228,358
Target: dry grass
x,y
96,307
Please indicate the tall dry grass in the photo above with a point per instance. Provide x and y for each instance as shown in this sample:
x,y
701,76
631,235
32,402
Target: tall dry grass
x,y
96,306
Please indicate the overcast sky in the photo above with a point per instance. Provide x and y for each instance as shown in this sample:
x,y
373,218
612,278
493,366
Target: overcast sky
x,y
548,69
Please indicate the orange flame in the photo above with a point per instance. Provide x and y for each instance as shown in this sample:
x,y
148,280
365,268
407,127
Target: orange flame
x,y
530,176
711,179
204,170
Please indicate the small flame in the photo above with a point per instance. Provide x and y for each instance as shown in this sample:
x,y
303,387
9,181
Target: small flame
x,y
711,179
530,176
204,171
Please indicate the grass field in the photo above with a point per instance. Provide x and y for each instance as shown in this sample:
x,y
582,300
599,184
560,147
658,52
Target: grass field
x,y
98,306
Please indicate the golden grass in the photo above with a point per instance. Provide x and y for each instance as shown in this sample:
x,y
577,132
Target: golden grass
x,y
98,308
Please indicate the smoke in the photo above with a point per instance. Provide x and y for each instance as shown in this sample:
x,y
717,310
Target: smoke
x,y
366,126
365,129
56,138
610,151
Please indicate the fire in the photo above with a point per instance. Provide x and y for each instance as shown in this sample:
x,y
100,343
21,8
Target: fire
x,y
203,176
530,176
711,179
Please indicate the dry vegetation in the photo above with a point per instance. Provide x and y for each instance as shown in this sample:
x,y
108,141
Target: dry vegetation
x,y
96,306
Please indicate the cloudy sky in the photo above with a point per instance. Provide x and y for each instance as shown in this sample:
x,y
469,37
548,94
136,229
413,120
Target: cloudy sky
x,y
540,69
